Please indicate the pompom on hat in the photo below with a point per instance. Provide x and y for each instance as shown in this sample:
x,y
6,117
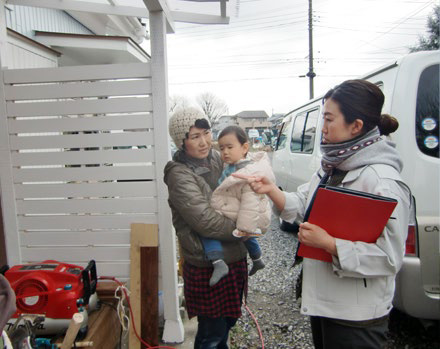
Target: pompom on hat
x,y
181,122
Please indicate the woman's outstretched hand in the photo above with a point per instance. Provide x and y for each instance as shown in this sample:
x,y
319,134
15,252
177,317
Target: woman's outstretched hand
x,y
259,184
263,185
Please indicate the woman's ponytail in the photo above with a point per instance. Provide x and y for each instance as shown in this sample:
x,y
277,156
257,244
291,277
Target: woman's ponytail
x,y
387,124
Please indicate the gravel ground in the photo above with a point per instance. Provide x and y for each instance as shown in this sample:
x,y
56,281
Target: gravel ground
x,y
271,298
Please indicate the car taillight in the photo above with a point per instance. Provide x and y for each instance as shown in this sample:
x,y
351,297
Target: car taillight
x,y
411,240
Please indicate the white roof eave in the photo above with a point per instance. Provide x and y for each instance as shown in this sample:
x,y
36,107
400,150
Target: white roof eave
x,y
87,49
102,10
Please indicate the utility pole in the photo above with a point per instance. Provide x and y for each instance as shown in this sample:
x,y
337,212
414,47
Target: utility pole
x,y
311,74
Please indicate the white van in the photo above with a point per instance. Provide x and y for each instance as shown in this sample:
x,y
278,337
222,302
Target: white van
x,y
411,88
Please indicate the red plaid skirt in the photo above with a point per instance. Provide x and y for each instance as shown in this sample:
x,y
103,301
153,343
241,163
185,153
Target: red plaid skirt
x,y
223,299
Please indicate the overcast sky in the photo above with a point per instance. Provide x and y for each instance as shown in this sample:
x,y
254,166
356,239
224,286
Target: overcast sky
x,y
256,61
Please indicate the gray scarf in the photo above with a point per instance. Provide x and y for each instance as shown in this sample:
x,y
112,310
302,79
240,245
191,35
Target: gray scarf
x,y
199,166
368,149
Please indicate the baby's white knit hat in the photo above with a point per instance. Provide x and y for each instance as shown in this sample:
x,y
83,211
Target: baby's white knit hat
x,y
181,122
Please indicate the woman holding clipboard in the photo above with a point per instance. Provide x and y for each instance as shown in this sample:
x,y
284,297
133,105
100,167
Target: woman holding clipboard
x,y
349,299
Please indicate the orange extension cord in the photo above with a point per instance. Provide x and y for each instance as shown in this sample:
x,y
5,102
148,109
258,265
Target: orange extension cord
x,y
131,313
260,334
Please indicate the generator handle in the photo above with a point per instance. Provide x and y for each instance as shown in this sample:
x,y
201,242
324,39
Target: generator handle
x,y
90,280
4,269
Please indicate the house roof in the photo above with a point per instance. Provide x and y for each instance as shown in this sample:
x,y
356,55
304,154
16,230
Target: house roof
x,y
276,116
22,37
252,114
227,117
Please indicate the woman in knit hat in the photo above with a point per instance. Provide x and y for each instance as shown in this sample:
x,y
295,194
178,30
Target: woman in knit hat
x,y
191,178
349,299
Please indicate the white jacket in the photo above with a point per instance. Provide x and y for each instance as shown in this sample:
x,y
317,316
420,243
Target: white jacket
x,y
359,284
235,199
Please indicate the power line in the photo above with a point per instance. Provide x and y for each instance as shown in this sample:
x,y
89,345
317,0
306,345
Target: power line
x,y
364,31
241,29
255,31
258,78
239,23
397,24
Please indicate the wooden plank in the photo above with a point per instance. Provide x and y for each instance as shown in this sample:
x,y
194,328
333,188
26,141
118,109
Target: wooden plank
x,y
92,106
104,328
83,157
150,295
125,205
141,235
77,222
78,73
81,190
106,291
76,124
83,173
82,141
78,89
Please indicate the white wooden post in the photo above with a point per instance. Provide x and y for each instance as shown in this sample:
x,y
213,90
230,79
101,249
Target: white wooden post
x,y
173,330
3,36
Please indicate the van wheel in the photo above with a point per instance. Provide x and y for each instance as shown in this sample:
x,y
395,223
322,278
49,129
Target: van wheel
x,y
289,227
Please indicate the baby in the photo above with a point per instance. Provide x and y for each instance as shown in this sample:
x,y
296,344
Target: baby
x,y
236,200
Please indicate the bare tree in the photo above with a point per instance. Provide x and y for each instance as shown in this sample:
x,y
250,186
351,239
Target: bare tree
x,y
178,102
212,106
431,40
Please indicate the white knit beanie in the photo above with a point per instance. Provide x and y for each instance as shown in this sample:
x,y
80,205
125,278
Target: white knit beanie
x,y
181,122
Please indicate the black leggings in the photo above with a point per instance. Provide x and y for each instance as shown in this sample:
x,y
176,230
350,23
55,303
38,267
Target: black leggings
x,y
330,334
212,333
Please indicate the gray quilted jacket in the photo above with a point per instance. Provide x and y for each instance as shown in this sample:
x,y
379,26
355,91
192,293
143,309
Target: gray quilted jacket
x,y
190,187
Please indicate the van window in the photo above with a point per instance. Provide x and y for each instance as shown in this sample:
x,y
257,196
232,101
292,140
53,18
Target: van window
x,y
427,111
304,132
297,133
310,131
283,136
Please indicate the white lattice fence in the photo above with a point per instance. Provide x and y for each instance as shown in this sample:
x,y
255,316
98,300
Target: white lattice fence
x,y
82,162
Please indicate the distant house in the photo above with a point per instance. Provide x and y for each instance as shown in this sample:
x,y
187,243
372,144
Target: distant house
x,y
222,122
253,119
276,119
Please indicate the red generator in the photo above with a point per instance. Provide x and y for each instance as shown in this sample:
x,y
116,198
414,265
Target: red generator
x,y
55,290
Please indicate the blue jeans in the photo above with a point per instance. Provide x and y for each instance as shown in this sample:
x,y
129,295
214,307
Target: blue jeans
x,y
213,248
212,333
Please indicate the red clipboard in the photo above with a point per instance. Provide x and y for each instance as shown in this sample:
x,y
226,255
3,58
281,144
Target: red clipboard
x,y
347,214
